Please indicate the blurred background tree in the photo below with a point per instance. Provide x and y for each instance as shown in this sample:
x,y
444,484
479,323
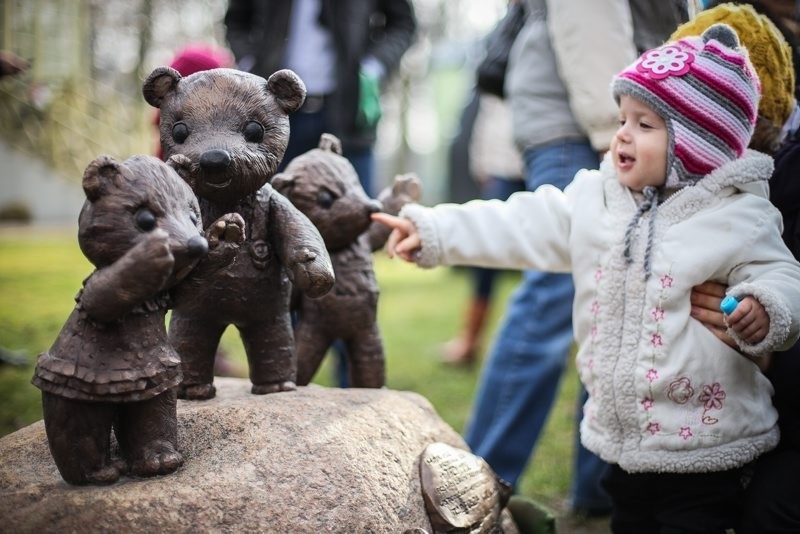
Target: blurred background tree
x,y
81,95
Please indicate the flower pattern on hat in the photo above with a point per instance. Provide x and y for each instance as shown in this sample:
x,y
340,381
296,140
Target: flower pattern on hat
x,y
665,61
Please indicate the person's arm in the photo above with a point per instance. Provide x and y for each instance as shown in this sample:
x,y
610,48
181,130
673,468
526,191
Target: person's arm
x,y
764,269
239,20
529,230
397,35
592,41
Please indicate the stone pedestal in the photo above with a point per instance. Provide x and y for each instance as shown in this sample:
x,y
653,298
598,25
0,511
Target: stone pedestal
x,y
314,460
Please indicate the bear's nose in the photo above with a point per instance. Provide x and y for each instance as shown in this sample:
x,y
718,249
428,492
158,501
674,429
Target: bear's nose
x,y
197,246
215,160
374,206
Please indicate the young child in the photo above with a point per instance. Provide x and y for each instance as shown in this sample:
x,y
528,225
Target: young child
x,y
677,201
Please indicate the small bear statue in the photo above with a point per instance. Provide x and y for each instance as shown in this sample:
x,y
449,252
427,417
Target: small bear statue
x,y
325,187
111,366
226,132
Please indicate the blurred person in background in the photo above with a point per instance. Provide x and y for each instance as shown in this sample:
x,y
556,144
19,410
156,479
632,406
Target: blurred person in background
x,y
772,495
344,51
496,166
563,119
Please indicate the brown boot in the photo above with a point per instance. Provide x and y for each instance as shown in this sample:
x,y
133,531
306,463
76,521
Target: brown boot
x,y
463,349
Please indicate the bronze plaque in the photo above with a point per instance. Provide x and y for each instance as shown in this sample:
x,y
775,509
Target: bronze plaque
x,y
460,489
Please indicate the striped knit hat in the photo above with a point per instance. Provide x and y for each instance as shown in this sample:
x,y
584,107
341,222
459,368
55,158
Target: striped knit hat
x,y
707,92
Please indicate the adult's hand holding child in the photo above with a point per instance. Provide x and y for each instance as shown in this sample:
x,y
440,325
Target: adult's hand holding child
x,y
705,299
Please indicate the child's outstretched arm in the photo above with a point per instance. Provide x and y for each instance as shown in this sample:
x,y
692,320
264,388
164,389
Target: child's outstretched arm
x,y
749,320
404,240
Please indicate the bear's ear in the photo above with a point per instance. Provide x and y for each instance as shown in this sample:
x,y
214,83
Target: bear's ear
x,y
283,183
330,143
408,184
98,175
288,88
161,82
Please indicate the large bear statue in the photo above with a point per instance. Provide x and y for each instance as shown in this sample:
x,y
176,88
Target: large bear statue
x,y
111,365
226,132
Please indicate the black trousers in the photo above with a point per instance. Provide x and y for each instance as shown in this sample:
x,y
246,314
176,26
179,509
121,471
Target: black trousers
x,y
772,499
672,503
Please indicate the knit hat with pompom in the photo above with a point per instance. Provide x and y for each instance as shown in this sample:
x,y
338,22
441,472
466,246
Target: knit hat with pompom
x,y
707,92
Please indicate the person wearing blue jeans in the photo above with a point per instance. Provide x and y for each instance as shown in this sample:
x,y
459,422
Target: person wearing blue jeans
x,y
521,378
557,82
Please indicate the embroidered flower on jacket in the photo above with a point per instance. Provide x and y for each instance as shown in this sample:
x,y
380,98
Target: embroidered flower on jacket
x,y
685,432
598,274
656,340
595,307
666,281
657,313
653,428
680,390
712,396
652,375
647,403
665,61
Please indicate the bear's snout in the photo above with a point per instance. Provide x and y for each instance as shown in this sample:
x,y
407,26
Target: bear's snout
x,y
197,246
215,160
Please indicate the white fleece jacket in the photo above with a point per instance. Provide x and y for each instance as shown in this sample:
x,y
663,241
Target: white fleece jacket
x,y
665,394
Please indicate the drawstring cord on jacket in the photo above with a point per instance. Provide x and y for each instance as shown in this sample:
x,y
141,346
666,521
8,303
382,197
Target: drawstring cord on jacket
x,y
650,204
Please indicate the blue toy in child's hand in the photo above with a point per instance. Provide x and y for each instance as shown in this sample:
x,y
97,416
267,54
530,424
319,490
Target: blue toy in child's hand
x,y
728,304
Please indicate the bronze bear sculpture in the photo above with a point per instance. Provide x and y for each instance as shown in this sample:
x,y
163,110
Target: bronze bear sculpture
x,y
325,187
111,365
227,131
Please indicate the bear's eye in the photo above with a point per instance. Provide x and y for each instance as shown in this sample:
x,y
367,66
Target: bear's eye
x,y
180,132
145,219
193,217
325,199
253,132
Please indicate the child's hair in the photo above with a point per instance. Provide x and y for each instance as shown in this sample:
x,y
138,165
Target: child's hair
x,y
706,91
772,58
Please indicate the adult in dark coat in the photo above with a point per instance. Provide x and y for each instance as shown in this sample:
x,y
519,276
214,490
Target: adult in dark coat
x,y
365,40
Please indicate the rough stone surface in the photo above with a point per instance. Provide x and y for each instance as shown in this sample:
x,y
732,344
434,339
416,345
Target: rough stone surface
x,y
313,460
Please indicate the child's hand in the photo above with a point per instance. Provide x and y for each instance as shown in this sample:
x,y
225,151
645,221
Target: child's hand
x,y
404,239
749,320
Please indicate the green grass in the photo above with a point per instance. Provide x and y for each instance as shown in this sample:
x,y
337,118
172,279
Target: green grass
x,y
41,271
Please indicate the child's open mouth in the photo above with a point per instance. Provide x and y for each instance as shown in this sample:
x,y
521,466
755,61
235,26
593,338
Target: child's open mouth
x,y
624,161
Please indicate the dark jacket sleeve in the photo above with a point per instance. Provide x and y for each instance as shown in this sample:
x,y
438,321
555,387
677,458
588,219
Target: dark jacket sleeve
x,y
389,42
785,191
239,19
